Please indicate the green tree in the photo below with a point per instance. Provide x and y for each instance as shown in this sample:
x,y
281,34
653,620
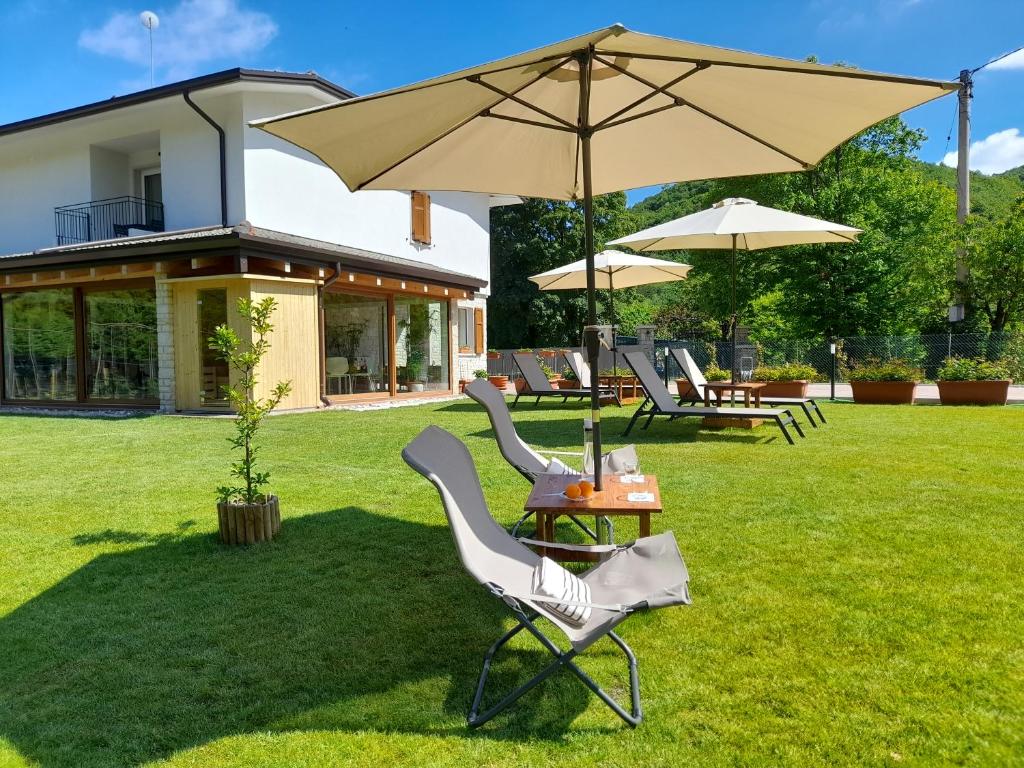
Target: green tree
x,y
533,237
250,411
994,255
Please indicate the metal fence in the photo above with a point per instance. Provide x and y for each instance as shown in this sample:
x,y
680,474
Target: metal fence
x,y
831,358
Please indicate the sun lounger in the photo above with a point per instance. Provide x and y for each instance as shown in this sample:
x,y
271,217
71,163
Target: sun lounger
x,y
696,378
538,383
660,403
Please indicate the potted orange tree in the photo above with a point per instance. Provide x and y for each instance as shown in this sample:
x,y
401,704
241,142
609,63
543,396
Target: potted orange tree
x,y
247,513
892,382
977,381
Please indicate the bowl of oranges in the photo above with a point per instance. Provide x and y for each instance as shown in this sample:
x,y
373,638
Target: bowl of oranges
x,y
581,490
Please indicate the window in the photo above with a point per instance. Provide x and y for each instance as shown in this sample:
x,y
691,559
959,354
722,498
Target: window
x,y
40,358
356,341
421,218
466,330
212,311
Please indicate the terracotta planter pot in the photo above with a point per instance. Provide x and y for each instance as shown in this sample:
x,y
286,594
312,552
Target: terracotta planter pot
x,y
974,392
685,389
792,388
494,355
499,381
462,385
520,385
249,523
884,392
568,384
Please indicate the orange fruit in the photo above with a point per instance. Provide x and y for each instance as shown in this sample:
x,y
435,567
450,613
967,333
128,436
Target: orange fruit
x,y
573,491
586,489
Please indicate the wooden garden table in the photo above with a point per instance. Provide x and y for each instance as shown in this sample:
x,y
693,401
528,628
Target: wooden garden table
x,y
720,388
622,384
548,504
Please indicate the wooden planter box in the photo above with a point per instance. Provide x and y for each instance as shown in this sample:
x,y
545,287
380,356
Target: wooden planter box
x,y
974,392
249,523
884,392
792,388
499,381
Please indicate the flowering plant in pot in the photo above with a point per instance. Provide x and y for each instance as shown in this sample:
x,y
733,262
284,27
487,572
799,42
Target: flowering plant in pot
x,y
889,382
787,380
977,381
247,513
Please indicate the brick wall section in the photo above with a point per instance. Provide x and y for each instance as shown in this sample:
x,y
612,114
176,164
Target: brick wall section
x,y
165,342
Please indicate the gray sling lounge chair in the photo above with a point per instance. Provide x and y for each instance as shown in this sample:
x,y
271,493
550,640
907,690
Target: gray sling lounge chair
x,y
646,574
541,387
696,378
581,371
528,462
659,402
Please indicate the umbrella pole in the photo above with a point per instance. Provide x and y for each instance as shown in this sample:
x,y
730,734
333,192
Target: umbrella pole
x,y
584,132
611,309
733,327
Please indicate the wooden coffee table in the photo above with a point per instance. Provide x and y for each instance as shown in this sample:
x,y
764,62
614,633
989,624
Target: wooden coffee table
x,y
547,503
627,388
720,388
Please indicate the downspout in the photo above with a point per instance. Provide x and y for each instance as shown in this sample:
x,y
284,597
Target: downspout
x,y
223,158
321,322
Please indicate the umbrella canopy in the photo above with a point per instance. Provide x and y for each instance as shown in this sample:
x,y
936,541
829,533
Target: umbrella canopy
x,y
615,269
738,223
658,110
603,112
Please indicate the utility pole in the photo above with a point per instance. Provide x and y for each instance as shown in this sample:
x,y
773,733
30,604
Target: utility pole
x,y
957,312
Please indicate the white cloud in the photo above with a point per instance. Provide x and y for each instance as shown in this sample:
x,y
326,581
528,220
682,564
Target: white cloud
x,y
1013,61
190,34
995,153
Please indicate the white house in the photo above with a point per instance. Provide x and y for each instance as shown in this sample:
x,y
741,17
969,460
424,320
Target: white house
x,y
131,227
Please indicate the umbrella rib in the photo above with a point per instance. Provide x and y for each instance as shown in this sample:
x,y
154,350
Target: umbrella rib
x,y
459,125
852,73
654,92
477,80
749,135
525,121
640,115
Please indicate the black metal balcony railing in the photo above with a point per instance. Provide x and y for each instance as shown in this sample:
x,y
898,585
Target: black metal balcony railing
x,y
106,219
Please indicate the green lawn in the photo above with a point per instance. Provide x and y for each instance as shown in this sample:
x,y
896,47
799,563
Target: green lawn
x,y
857,598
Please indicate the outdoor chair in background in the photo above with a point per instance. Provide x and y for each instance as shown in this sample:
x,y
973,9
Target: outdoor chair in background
x,y
528,462
646,574
581,371
697,381
539,386
659,402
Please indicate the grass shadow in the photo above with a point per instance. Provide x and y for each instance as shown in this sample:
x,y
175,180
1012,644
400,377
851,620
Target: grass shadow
x,y
351,620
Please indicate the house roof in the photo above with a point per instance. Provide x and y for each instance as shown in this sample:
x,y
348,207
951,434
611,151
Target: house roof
x,y
175,89
187,243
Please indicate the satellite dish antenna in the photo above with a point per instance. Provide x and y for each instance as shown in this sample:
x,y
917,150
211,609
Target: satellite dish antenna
x,y
150,21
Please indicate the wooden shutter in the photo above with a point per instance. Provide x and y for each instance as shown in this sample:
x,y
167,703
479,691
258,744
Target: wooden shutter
x,y
478,327
421,217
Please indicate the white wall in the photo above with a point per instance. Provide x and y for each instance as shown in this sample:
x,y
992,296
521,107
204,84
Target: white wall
x,y
289,190
109,173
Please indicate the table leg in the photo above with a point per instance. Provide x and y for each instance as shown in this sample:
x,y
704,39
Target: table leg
x,y
746,398
757,399
707,397
645,524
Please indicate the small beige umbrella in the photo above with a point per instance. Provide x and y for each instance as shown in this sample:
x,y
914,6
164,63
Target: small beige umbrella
x,y
623,270
738,224
603,112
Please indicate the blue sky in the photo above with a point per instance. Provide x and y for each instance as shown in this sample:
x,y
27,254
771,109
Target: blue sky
x,y
61,53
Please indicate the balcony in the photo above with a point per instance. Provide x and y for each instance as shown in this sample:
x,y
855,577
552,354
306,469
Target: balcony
x,y
107,219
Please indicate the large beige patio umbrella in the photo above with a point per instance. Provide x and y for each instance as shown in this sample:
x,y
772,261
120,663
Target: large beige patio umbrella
x,y
737,223
603,112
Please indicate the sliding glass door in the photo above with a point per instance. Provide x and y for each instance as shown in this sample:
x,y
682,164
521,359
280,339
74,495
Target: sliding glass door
x,y
356,342
40,351
422,355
